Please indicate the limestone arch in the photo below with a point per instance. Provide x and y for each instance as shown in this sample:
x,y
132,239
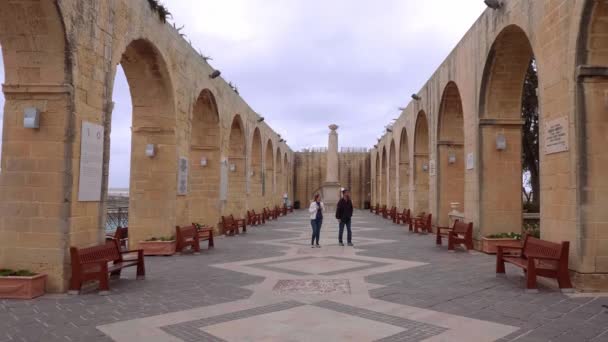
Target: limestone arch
x,y
38,71
392,175
450,153
257,175
404,170
269,173
278,177
285,176
153,180
421,163
376,182
591,107
500,121
205,160
383,179
237,182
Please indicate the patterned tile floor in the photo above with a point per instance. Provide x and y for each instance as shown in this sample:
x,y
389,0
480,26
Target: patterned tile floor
x,y
269,285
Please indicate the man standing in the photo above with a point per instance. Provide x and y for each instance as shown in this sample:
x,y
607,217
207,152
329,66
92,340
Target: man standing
x,y
344,213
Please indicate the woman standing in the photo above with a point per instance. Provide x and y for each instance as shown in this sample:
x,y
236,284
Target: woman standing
x,y
316,210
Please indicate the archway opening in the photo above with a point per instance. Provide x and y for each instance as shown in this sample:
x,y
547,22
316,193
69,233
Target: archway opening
x,y
392,176
404,171
421,164
383,178
285,178
501,123
450,155
237,184
256,178
269,173
278,178
376,182
205,169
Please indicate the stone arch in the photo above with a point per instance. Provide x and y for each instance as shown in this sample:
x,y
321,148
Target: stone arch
x,y
421,163
237,183
257,174
392,175
450,153
269,189
285,175
377,180
591,123
500,112
404,170
278,176
205,160
37,73
383,183
152,183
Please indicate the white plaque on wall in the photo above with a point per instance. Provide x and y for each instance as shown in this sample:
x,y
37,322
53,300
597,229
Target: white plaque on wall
x,y
91,162
432,168
182,177
556,135
470,161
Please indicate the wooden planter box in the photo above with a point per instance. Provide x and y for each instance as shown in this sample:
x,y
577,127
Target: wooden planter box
x,y
22,287
158,247
488,245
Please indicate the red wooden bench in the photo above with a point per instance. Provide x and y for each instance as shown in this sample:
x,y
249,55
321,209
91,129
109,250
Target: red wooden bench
x,y
253,219
186,236
383,211
423,224
287,209
392,214
538,258
280,211
459,233
262,218
232,225
371,208
205,233
404,217
91,263
267,213
121,235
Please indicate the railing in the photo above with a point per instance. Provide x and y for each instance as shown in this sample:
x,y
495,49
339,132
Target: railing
x,y
117,217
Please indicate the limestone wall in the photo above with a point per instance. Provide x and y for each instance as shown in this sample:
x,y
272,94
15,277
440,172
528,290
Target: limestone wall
x,y
354,174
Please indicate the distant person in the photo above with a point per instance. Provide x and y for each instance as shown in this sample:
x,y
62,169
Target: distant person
x,y
344,213
316,210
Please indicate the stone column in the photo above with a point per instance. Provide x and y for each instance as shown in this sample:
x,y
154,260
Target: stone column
x,y
331,187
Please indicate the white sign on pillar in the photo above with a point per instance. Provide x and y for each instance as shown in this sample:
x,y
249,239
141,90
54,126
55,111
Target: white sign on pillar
x,y
432,167
470,161
556,135
182,177
91,162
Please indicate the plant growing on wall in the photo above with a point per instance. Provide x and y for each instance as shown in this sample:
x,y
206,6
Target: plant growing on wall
x,y
160,9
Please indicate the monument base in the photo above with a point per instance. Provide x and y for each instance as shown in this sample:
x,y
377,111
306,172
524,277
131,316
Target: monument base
x,y
331,196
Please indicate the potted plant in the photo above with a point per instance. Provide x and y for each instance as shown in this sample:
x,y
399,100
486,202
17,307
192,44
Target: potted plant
x,y
158,246
489,243
21,284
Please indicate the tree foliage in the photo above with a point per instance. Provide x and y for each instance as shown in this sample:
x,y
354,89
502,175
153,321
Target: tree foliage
x,y
530,139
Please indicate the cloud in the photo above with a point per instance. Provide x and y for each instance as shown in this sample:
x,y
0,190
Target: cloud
x,y
306,64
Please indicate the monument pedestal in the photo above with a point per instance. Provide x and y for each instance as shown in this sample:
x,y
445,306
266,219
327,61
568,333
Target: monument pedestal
x,y
331,196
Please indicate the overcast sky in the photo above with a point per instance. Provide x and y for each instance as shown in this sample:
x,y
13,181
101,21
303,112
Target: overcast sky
x,y
304,64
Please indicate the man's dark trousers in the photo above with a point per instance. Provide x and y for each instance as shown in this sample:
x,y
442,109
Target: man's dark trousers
x,y
349,233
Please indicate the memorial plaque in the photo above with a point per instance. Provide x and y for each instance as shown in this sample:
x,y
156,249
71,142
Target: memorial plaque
x,y
182,177
432,168
556,135
91,162
470,161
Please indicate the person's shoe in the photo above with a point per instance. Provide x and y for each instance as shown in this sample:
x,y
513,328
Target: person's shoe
x,y
341,244
350,244
312,246
318,246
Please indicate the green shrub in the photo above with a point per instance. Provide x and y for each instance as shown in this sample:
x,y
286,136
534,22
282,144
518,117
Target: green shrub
x,y
162,238
5,272
505,236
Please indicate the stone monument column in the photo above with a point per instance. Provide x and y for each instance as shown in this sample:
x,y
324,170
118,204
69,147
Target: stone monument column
x,y
331,187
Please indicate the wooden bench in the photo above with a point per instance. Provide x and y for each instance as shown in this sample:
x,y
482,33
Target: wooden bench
x,y
538,258
187,236
280,211
253,219
205,233
262,219
392,214
121,235
232,225
404,217
383,211
267,213
459,233
371,208
91,263
288,209
423,224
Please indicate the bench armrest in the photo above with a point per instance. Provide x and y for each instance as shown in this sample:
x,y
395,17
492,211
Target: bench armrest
x,y
542,257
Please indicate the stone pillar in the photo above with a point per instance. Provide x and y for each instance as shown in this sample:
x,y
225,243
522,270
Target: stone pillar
x,y
331,187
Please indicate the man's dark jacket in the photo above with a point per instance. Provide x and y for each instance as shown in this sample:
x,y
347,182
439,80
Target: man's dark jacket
x,y
344,211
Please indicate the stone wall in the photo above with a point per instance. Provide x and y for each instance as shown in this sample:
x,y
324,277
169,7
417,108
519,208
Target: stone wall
x,y
354,174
